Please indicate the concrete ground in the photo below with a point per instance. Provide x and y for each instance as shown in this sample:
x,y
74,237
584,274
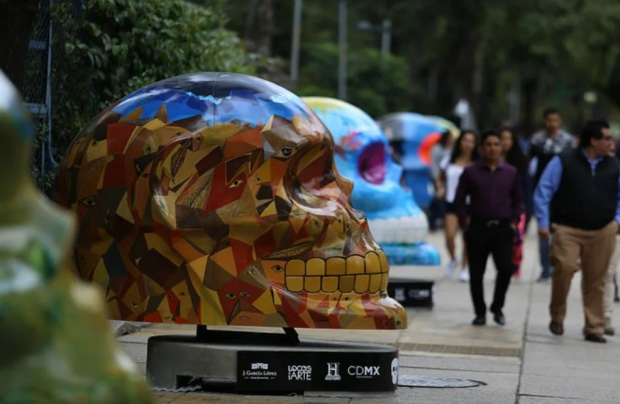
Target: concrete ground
x,y
518,363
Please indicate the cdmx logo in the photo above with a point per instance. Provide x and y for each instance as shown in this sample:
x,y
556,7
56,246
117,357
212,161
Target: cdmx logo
x,y
333,371
363,370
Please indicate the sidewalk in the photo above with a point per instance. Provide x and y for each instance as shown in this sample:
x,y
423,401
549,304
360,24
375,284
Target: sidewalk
x,y
519,363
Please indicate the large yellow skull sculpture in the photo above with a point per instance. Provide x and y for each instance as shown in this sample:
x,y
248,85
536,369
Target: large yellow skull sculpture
x,y
213,199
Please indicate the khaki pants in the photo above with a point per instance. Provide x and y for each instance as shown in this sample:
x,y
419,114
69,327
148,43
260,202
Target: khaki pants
x,y
609,280
595,248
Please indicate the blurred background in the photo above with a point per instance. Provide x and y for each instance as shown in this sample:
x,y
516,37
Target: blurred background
x,y
478,63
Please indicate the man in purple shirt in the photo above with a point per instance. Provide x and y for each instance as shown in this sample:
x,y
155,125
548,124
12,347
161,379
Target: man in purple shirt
x,y
496,202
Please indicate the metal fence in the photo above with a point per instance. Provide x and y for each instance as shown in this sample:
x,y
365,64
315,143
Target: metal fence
x,y
37,88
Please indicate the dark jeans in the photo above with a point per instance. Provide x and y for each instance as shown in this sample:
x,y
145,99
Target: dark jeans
x,y
528,188
482,239
437,210
544,246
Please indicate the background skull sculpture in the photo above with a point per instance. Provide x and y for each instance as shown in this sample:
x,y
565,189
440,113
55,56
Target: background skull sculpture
x,y
212,198
414,135
362,155
55,343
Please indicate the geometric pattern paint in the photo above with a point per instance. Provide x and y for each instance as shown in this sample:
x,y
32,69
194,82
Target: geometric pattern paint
x,y
213,198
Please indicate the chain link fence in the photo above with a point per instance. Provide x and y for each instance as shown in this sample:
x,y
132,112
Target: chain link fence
x,y
36,91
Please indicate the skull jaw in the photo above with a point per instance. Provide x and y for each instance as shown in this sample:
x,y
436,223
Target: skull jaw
x,y
281,308
347,311
361,312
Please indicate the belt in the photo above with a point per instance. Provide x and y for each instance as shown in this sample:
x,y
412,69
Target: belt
x,y
491,223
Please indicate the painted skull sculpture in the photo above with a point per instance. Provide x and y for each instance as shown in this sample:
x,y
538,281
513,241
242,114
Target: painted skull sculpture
x,y
362,155
212,198
414,135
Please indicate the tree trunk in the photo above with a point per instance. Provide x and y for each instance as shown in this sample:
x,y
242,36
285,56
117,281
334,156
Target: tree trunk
x,y
16,21
413,59
248,32
528,90
264,26
480,102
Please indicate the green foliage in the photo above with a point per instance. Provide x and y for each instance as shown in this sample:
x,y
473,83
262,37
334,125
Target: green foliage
x,y
551,51
377,84
119,46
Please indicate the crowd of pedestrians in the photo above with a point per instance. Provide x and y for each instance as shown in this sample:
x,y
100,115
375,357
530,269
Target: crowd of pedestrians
x,y
490,185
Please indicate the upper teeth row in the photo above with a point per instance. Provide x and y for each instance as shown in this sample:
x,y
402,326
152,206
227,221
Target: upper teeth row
x,y
371,263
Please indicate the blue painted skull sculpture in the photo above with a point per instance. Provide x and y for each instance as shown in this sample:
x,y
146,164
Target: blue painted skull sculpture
x,y
414,135
362,155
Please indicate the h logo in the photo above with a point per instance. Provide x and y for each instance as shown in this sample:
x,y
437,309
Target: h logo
x,y
333,371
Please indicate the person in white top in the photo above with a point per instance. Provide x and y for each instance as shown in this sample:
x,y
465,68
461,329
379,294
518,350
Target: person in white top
x,y
464,153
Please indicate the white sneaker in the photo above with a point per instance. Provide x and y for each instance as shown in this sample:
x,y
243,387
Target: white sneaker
x,y
451,267
464,275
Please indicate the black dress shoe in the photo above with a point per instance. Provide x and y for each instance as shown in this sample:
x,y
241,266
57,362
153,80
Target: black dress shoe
x,y
479,320
595,338
498,317
556,328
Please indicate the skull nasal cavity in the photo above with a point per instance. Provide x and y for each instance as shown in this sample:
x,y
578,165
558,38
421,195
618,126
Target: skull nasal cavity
x,y
371,164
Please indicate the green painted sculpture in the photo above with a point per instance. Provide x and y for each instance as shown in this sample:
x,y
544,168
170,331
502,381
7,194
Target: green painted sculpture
x,y
55,343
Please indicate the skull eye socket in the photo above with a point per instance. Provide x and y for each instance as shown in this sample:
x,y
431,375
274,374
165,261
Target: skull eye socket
x,y
230,295
89,202
277,268
235,183
286,151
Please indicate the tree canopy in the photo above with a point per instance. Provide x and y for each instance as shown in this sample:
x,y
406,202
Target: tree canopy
x,y
509,58
113,47
547,52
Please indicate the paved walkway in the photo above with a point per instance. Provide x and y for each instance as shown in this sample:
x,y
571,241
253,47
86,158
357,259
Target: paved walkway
x,y
519,363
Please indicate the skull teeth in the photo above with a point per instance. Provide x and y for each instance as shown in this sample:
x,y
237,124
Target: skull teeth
x,y
354,274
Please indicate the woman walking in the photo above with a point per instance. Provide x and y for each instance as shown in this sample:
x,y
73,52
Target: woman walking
x,y
464,153
440,150
513,155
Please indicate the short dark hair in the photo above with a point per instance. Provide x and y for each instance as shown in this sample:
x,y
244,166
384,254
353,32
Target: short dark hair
x,y
601,123
550,111
488,133
592,130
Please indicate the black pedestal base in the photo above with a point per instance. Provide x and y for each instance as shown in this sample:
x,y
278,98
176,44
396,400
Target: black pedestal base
x,y
270,363
412,292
